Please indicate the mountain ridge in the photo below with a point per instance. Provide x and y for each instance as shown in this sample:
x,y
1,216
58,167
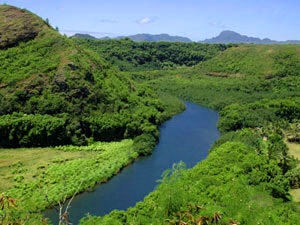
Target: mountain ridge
x,y
228,36
140,37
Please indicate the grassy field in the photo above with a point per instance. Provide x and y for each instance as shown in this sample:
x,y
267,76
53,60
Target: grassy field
x,y
29,163
27,177
295,151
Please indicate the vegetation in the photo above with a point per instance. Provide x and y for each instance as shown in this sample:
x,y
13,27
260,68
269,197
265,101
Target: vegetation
x,y
249,173
138,56
231,186
56,91
65,94
69,168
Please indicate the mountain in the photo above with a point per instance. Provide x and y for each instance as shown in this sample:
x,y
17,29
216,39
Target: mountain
x,y
141,37
84,36
158,37
234,37
54,92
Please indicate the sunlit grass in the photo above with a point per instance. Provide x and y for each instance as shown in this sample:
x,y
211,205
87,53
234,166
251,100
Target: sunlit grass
x,y
28,174
31,162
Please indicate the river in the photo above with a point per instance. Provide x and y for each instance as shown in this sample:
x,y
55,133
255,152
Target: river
x,y
186,137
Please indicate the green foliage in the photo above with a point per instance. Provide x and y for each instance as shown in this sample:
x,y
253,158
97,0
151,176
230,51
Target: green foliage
x,y
237,116
232,184
263,60
245,136
64,177
137,56
144,144
79,94
248,173
19,129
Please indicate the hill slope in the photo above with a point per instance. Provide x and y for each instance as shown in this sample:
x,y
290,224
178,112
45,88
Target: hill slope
x,y
263,60
233,37
53,92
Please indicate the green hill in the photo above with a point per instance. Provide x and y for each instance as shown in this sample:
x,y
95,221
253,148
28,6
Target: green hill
x,y
54,92
264,60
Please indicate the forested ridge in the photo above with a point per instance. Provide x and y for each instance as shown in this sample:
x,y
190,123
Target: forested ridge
x,y
139,56
80,95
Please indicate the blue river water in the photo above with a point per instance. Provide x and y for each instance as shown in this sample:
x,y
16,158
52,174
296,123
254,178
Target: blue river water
x,y
186,137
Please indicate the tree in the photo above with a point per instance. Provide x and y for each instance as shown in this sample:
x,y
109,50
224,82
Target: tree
x,y
62,211
278,150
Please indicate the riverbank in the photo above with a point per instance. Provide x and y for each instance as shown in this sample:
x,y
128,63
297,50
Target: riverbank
x,y
185,137
72,170
58,173
245,179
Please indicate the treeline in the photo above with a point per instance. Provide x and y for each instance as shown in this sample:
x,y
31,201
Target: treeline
x,y
138,56
259,114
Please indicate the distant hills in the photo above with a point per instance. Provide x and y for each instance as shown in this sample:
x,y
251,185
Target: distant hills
x,y
84,36
158,37
224,37
141,37
234,37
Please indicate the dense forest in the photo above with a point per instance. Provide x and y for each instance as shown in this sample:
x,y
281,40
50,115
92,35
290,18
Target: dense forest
x,y
139,56
95,106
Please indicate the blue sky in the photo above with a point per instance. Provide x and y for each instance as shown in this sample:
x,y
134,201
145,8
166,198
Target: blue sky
x,y
196,19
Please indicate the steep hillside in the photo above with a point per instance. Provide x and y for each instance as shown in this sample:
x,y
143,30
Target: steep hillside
x,y
53,92
17,25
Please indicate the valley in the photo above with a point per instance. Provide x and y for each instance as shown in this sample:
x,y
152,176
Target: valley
x,y
75,113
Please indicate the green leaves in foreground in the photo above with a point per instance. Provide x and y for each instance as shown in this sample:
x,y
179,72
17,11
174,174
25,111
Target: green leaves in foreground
x,y
232,186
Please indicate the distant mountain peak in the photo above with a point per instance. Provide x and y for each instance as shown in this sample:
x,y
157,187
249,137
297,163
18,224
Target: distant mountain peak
x,y
141,37
228,36
158,37
83,36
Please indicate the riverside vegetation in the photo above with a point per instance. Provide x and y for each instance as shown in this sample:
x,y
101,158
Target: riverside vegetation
x,y
249,172
56,91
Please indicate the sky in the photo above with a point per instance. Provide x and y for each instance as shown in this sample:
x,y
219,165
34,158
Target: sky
x,y
196,19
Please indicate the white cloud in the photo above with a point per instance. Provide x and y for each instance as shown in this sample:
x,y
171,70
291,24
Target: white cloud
x,y
145,20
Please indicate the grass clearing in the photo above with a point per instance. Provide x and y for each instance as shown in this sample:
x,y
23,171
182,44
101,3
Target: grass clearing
x,y
295,151
29,163
296,194
34,172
